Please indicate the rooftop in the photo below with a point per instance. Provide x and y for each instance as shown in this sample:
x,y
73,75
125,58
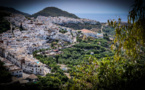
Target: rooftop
x,y
87,31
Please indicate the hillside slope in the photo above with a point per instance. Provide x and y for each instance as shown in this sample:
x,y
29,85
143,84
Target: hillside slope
x,y
53,11
11,10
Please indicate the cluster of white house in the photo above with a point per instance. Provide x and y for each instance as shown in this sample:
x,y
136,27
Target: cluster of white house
x,y
61,20
17,46
26,62
12,68
41,28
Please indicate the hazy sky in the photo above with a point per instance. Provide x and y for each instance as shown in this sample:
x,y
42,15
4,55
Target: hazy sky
x,y
72,6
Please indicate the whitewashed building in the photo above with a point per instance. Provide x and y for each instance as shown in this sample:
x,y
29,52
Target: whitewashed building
x,y
13,69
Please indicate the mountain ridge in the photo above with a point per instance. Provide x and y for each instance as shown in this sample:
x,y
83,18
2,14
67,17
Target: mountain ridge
x,y
54,11
12,10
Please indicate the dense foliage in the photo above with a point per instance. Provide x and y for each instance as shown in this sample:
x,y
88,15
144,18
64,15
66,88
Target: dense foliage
x,y
4,24
131,38
63,31
71,57
109,30
57,79
78,26
52,81
75,55
109,74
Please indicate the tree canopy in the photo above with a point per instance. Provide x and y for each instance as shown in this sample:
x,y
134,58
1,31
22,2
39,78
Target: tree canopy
x,y
131,38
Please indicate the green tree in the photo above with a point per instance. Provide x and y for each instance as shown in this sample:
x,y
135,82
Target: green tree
x,y
105,36
21,26
131,38
4,24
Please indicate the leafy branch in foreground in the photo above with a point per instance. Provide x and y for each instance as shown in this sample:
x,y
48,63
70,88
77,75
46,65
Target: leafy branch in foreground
x,y
108,74
130,38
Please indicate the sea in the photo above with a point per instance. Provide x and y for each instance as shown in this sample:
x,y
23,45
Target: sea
x,y
104,17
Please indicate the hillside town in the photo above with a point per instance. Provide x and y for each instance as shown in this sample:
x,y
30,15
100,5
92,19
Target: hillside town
x,y
28,35
72,45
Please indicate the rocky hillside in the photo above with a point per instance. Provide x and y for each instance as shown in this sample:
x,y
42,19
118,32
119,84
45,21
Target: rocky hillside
x,y
53,11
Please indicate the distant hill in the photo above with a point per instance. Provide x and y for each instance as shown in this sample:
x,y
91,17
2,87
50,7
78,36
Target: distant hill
x,y
53,11
11,10
6,11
